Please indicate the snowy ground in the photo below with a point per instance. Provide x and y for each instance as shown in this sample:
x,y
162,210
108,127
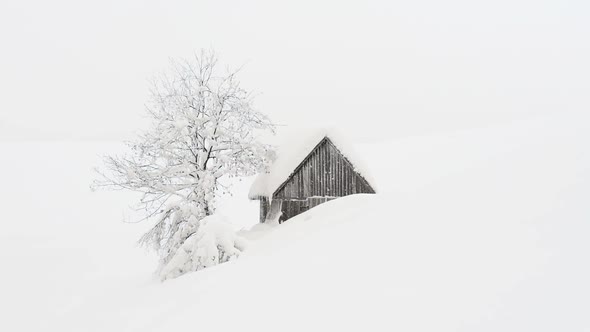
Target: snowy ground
x,y
484,230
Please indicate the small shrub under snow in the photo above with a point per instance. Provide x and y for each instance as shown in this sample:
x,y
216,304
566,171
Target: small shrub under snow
x,y
213,243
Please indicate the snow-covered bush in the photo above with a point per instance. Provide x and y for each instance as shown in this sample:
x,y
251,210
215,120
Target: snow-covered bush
x,y
213,243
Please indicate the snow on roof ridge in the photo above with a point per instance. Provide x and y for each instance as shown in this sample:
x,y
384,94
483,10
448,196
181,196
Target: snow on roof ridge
x,y
293,151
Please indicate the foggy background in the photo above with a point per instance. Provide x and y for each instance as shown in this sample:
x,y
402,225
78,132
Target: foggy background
x,y
74,70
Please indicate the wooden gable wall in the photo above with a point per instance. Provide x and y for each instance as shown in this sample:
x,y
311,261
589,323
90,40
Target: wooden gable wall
x,y
325,172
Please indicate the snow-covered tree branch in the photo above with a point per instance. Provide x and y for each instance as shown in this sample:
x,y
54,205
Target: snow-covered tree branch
x,y
204,127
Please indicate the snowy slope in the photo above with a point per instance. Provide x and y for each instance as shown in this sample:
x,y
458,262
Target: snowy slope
x,y
483,230
64,248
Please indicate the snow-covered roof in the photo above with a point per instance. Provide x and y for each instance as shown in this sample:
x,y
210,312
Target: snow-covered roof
x,y
293,151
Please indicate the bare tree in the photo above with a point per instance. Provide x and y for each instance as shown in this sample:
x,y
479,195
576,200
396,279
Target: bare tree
x,y
204,127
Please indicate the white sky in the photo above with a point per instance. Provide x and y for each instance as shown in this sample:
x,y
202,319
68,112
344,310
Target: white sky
x,y
79,69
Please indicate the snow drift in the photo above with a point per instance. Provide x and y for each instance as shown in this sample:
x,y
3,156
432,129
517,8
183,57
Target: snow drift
x,y
214,242
484,230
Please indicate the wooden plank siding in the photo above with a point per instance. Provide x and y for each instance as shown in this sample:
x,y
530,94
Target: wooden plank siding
x,y
323,175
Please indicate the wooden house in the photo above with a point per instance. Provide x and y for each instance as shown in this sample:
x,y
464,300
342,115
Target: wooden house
x,y
321,169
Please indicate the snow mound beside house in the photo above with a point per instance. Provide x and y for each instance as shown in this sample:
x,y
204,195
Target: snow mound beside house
x,y
215,241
